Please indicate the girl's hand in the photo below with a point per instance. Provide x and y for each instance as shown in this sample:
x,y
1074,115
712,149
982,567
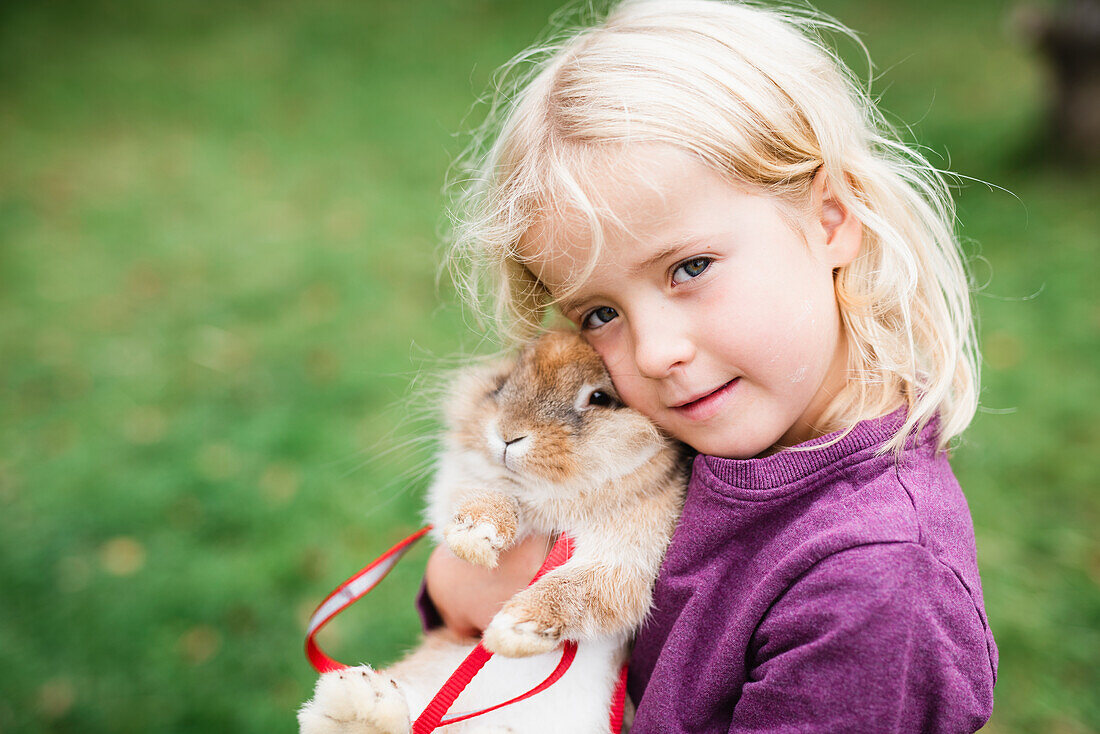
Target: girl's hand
x,y
469,596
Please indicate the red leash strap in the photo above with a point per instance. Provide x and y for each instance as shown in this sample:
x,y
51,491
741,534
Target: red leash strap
x,y
434,715
618,701
347,594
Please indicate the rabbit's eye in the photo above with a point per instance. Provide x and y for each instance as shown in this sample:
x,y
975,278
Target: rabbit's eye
x,y
589,397
600,398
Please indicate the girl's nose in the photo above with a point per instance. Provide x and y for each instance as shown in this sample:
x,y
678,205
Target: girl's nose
x,y
660,346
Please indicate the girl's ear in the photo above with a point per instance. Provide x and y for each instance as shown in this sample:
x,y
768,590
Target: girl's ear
x,y
840,233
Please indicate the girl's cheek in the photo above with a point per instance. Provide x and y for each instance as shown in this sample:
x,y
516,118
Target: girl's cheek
x,y
616,354
636,394
624,376
605,346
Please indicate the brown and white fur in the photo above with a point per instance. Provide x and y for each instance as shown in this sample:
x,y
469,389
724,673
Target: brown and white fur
x,y
537,444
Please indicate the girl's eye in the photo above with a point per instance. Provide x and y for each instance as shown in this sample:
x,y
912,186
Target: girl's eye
x,y
598,317
691,269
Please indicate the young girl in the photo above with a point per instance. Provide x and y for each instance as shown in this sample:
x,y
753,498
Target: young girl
x,y
703,190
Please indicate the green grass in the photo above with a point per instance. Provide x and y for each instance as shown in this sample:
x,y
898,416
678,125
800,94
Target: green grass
x,y
218,243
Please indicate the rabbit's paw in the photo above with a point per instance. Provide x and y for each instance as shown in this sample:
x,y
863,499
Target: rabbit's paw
x,y
355,701
475,540
518,637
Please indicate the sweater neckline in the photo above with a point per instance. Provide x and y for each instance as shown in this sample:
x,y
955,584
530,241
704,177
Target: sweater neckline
x,y
789,466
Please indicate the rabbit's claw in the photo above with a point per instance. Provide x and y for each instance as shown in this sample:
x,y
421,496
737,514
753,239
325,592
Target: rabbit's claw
x,y
474,540
513,637
355,701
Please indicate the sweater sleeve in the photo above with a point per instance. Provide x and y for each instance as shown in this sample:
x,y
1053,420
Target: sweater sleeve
x,y
429,615
879,637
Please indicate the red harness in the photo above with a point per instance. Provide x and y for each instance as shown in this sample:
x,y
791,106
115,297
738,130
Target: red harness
x,y
434,715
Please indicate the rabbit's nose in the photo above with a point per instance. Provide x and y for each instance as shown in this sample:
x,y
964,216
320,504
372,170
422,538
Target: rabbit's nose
x,y
507,441
513,451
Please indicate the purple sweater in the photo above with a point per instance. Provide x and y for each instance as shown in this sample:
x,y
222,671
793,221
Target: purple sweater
x,y
824,591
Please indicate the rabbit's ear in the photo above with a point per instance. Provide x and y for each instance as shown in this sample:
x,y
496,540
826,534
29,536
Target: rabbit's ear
x,y
472,386
500,372
486,374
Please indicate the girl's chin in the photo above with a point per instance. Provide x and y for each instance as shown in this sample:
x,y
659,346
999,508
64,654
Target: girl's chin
x,y
730,446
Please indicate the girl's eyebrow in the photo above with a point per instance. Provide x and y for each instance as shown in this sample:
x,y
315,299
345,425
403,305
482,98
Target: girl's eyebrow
x,y
566,305
663,254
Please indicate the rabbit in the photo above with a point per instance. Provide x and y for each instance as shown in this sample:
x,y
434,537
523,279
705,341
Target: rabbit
x,y
539,443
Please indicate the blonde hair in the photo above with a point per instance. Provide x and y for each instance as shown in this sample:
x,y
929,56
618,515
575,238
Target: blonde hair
x,y
756,94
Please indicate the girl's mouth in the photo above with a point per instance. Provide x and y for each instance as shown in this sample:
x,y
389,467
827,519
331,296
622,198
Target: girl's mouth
x,y
706,406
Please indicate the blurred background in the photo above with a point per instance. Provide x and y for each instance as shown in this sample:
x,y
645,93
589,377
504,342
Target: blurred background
x,y
219,228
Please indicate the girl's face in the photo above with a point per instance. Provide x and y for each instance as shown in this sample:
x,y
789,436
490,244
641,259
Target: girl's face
x,y
712,307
